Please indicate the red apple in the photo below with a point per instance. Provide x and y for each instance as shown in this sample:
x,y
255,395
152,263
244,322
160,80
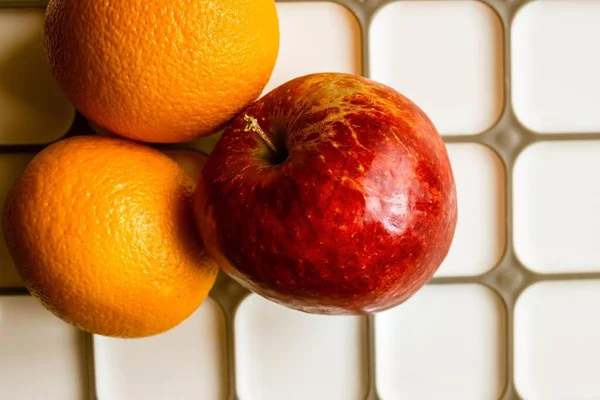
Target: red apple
x,y
351,211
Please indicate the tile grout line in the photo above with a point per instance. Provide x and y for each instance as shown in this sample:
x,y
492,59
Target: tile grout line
x,y
508,155
232,392
229,295
372,393
90,358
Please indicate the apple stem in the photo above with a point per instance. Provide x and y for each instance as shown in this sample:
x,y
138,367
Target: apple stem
x,y
252,125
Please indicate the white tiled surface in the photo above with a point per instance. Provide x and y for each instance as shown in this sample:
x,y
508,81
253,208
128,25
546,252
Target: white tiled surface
x,y
556,341
41,358
447,342
32,107
556,203
184,363
555,65
446,56
286,354
480,235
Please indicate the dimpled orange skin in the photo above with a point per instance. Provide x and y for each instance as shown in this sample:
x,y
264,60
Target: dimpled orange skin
x,y
100,231
161,71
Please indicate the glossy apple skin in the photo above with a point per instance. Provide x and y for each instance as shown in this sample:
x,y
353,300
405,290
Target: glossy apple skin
x,y
357,218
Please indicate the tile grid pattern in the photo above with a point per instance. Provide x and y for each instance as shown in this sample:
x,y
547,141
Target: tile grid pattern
x,y
507,137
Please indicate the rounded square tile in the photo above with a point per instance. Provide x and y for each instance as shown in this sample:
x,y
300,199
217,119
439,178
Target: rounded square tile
x,y
184,363
11,166
556,202
447,342
315,37
557,352
554,67
41,357
32,106
480,236
446,56
286,354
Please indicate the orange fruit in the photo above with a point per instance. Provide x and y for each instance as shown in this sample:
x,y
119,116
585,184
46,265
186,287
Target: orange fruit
x,y
161,71
100,230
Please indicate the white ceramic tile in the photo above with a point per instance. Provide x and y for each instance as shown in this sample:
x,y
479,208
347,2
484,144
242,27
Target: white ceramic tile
x,y
41,357
447,342
315,37
446,56
286,354
555,65
32,107
11,166
557,352
556,203
480,238
184,363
